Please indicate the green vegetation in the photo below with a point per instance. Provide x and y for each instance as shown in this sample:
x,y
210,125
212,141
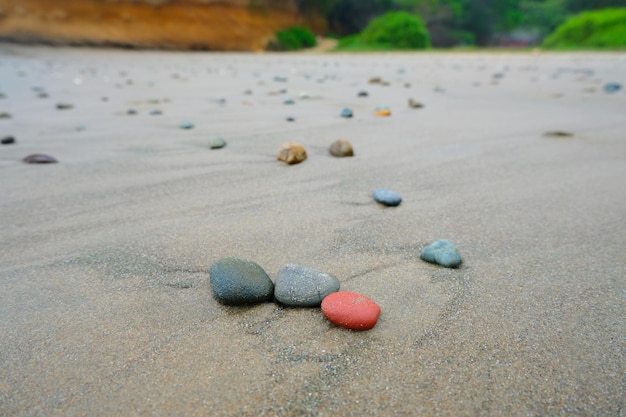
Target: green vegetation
x,y
400,30
292,39
598,29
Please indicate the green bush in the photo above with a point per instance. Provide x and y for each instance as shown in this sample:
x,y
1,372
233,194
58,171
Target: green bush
x,y
604,28
292,39
399,30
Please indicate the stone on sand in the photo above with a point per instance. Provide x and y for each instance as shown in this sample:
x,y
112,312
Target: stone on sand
x,y
300,286
291,153
237,281
442,252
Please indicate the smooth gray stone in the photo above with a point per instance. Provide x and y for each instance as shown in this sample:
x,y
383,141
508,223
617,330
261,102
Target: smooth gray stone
x,y
217,142
186,125
238,281
442,252
387,197
300,286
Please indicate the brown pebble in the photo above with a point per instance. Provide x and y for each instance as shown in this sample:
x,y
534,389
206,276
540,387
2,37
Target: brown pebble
x,y
40,158
341,147
558,134
415,104
291,153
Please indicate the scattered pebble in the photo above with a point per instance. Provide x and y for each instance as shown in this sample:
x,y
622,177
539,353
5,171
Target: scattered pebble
x,y
558,134
7,140
40,158
375,80
350,310
131,112
612,87
289,101
155,112
382,111
442,252
290,119
387,197
217,142
340,148
346,112
186,125
362,93
300,286
43,95
5,115
291,153
238,281
415,104
64,106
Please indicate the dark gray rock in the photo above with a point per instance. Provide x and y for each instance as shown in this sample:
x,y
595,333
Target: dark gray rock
x,y
300,286
387,197
64,106
442,252
7,140
238,281
39,158
362,93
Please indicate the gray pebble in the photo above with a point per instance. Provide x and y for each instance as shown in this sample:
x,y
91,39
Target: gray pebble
x,y
300,286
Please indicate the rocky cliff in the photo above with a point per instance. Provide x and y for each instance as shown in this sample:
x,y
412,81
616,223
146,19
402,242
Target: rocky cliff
x,y
239,25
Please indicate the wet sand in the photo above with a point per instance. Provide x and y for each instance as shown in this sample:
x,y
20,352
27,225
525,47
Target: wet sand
x,y
105,303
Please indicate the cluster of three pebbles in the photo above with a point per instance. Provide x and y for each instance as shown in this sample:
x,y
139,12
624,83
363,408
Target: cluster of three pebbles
x,y
237,281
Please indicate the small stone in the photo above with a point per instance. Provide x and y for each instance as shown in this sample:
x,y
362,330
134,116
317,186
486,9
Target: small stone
x,y
362,93
186,125
155,112
346,112
43,94
248,92
131,112
289,101
300,286
291,153
382,111
387,197
237,281
5,115
2,95
415,104
304,95
290,119
217,142
612,87
350,310
340,148
39,158
558,134
64,106
442,252
7,140
280,79
375,80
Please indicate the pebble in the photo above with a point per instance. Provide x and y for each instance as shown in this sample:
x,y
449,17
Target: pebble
x,y
289,101
442,252
40,158
291,153
64,106
238,281
382,111
5,115
7,140
300,286
351,310
186,125
387,197
217,142
362,93
558,134
290,119
346,112
415,104
612,87
155,112
340,148
131,112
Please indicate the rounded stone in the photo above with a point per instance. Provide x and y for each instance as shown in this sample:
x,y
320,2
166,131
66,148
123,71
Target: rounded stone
x,y
387,197
300,286
350,310
362,93
217,142
346,112
237,281
40,158
341,148
414,104
382,111
64,106
442,252
612,87
186,125
291,153
8,140
289,101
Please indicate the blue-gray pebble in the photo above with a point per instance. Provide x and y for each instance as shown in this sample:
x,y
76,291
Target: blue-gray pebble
x,y
238,281
612,87
300,286
217,142
442,252
387,197
346,112
186,125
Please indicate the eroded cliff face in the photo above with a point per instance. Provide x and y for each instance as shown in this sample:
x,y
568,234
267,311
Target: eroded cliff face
x,y
236,25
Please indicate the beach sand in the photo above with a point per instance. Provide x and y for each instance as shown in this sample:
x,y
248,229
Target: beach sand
x,y
105,299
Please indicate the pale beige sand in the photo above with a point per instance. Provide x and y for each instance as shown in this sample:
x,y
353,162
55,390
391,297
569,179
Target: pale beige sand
x,y
105,303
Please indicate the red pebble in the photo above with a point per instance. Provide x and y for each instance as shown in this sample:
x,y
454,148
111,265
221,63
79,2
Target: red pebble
x,y
350,310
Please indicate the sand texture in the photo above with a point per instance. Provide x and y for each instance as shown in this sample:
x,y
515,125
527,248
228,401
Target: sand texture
x,y
105,302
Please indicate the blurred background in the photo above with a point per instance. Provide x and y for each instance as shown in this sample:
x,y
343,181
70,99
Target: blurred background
x,y
257,25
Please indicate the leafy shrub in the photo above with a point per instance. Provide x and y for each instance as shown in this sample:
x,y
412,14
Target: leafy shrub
x,y
399,30
604,28
292,39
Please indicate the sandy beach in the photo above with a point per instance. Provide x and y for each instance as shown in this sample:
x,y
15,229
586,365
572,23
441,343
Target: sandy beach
x,y
105,298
